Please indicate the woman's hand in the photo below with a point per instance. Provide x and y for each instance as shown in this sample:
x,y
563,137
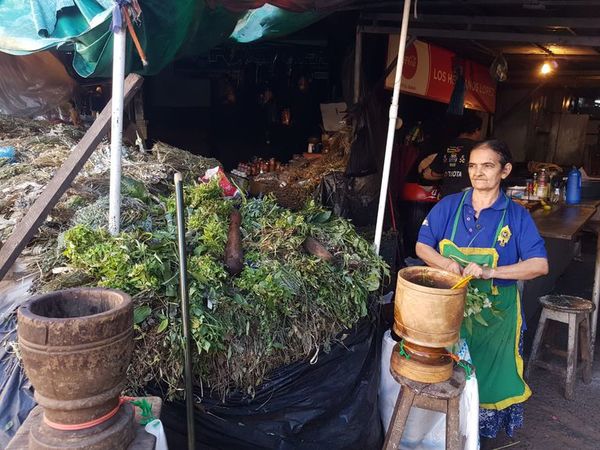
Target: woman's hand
x,y
479,272
453,267
433,259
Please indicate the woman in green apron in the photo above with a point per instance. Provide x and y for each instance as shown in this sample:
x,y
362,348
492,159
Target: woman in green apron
x,y
481,232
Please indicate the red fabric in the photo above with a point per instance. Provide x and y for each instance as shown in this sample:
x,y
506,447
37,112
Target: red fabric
x,y
414,192
403,158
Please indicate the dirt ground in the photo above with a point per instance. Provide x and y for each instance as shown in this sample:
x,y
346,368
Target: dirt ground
x,y
551,421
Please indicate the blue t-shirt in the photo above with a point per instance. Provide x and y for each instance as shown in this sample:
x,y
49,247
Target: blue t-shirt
x,y
525,241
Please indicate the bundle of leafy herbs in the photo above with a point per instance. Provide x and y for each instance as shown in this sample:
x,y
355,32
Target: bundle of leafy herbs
x,y
284,304
475,303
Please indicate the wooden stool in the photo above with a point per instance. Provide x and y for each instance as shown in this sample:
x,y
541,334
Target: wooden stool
x,y
441,397
575,312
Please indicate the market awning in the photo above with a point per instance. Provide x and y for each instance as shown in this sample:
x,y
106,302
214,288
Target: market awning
x,y
168,28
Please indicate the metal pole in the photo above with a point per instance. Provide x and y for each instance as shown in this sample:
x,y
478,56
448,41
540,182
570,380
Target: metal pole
x,y
357,63
392,126
116,130
185,316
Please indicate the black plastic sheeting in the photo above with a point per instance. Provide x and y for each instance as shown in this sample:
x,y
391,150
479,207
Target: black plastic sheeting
x,y
331,404
16,394
353,198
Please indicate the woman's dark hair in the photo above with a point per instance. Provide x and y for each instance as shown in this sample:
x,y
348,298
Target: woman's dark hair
x,y
499,147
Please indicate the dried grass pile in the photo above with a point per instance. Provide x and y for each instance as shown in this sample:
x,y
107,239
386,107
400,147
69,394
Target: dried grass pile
x,y
294,186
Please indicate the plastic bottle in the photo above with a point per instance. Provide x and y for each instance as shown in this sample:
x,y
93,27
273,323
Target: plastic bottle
x,y
574,187
542,190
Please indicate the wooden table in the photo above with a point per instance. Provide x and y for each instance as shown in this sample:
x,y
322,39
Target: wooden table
x,y
564,222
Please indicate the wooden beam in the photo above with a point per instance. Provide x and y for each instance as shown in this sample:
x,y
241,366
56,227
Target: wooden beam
x,y
519,21
539,56
28,226
375,29
557,22
584,41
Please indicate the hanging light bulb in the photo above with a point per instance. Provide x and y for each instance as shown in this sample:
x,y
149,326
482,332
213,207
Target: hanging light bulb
x,y
548,67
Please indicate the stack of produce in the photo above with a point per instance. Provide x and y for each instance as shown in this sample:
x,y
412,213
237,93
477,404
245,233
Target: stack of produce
x,y
284,304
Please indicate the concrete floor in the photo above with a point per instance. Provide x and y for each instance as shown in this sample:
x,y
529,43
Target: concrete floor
x,y
551,421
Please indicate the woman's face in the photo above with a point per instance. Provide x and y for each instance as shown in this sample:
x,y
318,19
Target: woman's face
x,y
485,170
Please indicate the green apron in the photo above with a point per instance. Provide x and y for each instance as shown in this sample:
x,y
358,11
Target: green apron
x,y
494,348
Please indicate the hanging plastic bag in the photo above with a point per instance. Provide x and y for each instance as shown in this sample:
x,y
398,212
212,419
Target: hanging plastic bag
x,y
156,429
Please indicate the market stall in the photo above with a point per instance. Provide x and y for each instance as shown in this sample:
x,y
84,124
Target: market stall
x,y
252,333
301,310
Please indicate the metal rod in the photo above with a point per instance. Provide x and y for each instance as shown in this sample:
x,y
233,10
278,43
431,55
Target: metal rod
x,y
387,162
116,131
185,316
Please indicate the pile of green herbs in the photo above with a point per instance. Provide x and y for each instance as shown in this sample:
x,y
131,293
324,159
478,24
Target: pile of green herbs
x,y
281,308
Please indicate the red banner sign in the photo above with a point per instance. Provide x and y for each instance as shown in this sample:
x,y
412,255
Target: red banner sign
x,y
428,73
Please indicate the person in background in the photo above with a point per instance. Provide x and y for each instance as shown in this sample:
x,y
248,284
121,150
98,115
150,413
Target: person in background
x,y
417,195
450,165
482,233
97,102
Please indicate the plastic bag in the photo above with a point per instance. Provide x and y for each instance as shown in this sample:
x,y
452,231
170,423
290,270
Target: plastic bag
x,y
156,429
332,192
229,190
16,394
426,430
331,404
33,84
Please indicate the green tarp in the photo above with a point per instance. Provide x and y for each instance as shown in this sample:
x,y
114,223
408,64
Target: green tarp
x,y
168,29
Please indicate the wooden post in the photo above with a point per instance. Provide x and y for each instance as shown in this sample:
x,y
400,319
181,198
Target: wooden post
x,y
595,295
357,63
28,226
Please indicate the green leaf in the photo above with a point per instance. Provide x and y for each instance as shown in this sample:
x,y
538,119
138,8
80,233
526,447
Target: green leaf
x,y
322,217
479,319
171,290
163,325
469,325
141,313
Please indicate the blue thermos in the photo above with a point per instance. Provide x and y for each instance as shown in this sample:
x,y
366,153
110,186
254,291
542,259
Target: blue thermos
x,y
574,187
